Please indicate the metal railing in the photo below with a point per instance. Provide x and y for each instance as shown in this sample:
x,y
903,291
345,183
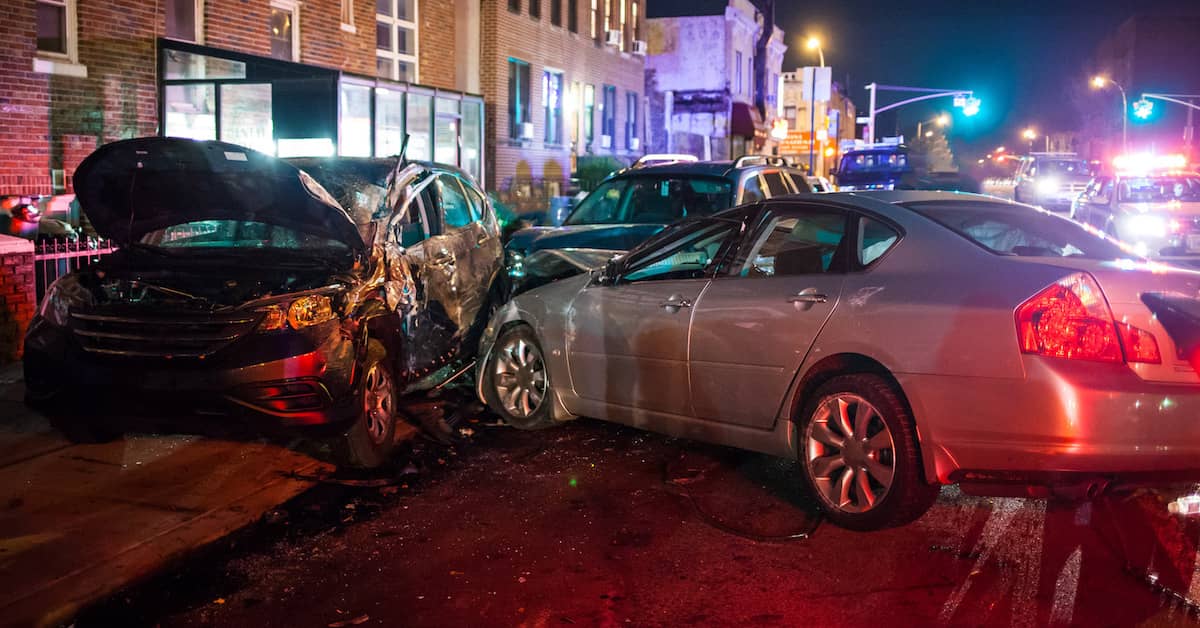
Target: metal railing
x,y
53,258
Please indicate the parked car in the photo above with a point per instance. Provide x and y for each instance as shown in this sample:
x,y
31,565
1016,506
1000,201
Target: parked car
x,y
635,203
1051,180
244,289
891,341
1156,211
820,185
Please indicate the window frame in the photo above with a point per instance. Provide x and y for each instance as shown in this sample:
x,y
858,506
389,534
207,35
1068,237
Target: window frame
x,y
293,7
443,178
347,11
589,114
197,21
65,63
394,55
514,6
608,115
548,76
556,13
519,112
651,251
632,103
572,15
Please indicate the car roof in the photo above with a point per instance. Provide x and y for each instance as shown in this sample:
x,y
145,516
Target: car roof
x,y
897,197
720,169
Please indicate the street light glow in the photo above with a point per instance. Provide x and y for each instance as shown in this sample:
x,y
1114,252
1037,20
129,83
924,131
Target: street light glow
x,y
1099,81
929,134
1000,149
1029,134
813,43
942,120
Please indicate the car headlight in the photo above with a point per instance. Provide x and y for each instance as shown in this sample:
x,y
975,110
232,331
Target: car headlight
x,y
1146,225
62,296
1047,186
303,312
516,264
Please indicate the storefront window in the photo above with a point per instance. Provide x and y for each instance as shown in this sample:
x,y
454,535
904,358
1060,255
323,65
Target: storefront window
x,y
185,65
420,119
472,138
190,111
354,121
445,147
246,116
389,122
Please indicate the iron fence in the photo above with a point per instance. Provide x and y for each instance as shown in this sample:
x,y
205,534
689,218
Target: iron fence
x,y
55,257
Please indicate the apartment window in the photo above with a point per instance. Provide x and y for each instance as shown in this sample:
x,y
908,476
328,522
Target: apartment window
x,y
608,113
348,16
608,13
737,69
589,113
594,19
514,6
556,12
518,98
631,120
535,9
750,76
56,26
552,96
573,16
185,20
285,30
396,40
622,22
637,24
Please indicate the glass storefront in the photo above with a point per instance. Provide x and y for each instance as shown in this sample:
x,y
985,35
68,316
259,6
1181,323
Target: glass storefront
x,y
290,109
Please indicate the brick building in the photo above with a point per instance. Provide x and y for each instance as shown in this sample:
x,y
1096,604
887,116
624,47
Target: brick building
x,y
345,76
563,80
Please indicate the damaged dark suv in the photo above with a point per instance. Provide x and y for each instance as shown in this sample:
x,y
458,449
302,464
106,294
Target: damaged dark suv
x,y
314,294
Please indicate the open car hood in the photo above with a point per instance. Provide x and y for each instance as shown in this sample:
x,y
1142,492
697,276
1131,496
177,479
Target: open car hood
x,y
132,187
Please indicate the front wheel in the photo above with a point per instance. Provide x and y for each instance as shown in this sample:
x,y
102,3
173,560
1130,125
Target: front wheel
x,y
371,439
518,382
859,453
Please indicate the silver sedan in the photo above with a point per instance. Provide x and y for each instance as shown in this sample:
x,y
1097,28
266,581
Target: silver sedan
x,y
891,342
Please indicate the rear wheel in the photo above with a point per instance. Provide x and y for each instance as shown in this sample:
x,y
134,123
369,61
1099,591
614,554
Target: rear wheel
x,y
859,453
518,382
371,439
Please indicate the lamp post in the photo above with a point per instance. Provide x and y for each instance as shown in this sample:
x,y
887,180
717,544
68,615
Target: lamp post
x,y
813,43
1030,134
1099,82
963,98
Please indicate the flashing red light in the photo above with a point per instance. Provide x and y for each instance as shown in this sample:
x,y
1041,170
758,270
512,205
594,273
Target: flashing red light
x,y
1070,319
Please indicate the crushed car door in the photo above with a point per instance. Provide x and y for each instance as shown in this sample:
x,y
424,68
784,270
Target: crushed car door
x,y
758,318
627,345
483,258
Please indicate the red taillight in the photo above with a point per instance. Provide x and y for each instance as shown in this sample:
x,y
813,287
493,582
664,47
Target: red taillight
x,y
1071,319
1140,345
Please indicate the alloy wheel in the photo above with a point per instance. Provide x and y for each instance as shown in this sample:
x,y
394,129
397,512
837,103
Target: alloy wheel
x,y
378,403
849,453
519,376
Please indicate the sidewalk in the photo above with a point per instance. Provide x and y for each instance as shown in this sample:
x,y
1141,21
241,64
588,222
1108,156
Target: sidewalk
x,y
80,522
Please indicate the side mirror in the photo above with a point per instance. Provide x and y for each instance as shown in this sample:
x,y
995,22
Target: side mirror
x,y
612,271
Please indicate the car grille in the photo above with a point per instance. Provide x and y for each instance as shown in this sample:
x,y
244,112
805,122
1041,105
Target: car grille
x,y
188,335
1075,188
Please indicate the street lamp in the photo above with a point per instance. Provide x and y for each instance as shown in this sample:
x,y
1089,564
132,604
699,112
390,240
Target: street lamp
x,y
1100,82
1030,134
814,43
942,120
964,100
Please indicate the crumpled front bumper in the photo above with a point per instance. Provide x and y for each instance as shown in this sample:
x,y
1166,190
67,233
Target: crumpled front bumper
x,y
293,381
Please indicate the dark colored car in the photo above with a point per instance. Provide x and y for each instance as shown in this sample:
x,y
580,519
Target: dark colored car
x,y
244,289
878,167
633,204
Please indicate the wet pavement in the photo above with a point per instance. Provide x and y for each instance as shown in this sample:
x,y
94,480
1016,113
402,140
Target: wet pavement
x,y
599,525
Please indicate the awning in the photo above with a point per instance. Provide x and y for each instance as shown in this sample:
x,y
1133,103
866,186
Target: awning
x,y
747,121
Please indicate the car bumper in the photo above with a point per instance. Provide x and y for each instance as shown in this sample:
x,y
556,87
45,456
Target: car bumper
x,y
293,384
1065,421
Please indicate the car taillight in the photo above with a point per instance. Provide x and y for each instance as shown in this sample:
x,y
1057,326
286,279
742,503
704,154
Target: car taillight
x,y
1071,319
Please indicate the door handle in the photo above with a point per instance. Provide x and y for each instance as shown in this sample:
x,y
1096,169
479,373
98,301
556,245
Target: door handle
x,y
810,298
674,302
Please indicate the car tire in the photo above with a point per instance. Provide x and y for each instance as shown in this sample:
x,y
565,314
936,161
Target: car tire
x,y
71,421
370,441
875,480
517,383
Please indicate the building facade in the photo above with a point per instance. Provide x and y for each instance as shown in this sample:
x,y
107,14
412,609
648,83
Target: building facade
x,y
1144,54
286,77
563,83
831,122
713,73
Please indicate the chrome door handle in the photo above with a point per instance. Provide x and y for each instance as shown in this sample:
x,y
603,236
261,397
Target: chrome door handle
x,y
808,298
675,302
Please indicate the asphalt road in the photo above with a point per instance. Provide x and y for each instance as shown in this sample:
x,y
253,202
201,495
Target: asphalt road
x,y
597,525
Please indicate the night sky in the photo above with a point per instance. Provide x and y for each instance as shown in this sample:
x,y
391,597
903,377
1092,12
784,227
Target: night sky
x,y
1019,56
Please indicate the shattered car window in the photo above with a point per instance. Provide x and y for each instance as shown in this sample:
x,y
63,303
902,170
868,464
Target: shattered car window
x,y
1016,230
239,234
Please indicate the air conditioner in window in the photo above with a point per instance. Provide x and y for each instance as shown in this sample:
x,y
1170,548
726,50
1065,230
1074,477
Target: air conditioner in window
x,y
639,47
635,143
526,130
605,141
613,38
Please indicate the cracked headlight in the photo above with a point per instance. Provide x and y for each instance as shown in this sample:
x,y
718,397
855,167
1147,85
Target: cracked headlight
x,y
61,297
303,312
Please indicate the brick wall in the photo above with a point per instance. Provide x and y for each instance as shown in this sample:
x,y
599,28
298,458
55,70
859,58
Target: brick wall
x,y
436,43
17,297
544,46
